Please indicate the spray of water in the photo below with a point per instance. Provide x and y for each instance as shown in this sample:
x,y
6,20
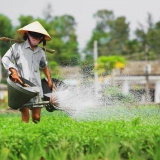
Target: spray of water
x,y
81,102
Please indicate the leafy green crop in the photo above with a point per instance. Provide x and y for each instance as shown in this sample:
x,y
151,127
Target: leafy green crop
x,y
60,137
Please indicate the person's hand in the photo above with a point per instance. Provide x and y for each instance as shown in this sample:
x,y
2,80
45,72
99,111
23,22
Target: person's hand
x,y
25,85
15,77
54,87
50,84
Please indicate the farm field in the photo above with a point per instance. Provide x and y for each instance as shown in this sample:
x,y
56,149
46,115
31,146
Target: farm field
x,y
61,137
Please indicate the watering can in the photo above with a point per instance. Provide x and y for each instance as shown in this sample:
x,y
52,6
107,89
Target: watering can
x,y
47,93
19,96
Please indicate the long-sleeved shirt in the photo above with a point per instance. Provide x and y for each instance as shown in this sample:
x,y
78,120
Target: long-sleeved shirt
x,y
26,61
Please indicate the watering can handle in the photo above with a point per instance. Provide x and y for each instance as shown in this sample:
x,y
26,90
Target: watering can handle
x,y
22,84
54,87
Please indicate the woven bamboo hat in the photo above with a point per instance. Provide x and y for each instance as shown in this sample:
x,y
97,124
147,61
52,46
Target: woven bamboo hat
x,y
34,27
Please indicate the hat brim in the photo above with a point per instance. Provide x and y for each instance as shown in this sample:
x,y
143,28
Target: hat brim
x,y
22,33
34,27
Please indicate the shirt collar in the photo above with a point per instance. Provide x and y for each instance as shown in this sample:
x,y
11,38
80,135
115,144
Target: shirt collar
x,y
27,45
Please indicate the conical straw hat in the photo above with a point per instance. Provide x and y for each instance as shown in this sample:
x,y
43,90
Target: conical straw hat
x,y
34,27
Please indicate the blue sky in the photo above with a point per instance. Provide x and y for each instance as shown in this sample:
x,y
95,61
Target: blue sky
x,y
82,10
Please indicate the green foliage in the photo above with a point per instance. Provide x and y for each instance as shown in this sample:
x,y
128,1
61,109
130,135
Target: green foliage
x,y
107,63
87,67
132,47
110,32
23,20
6,30
64,39
59,137
114,94
104,19
112,35
54,70
102,39
150,37
6,26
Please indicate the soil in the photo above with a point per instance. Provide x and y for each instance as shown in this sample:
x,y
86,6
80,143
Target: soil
x,y
8,111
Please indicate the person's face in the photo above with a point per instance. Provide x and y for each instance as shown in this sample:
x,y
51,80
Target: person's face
x,y
34,38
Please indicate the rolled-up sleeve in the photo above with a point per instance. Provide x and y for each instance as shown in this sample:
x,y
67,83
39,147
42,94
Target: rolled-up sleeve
x,y
8,58
43,62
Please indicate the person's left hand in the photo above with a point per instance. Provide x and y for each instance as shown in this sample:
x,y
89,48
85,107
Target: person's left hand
x,y
50,84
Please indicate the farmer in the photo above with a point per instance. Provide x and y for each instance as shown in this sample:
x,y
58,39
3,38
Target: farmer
x,y
28,57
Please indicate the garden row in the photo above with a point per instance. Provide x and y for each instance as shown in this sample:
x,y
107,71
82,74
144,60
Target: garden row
x,y
63,138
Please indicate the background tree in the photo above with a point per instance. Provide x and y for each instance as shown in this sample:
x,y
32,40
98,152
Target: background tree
x,y
119,30
6,30
149,35
23,20
65,40
101,31
153,40
110,33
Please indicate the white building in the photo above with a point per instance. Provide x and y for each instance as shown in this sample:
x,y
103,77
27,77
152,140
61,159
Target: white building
x,y
137,76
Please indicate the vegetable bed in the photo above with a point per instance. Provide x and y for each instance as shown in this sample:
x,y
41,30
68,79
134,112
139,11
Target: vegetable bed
x,y
60,137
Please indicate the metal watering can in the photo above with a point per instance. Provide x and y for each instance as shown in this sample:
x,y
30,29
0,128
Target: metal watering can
x,y
19,96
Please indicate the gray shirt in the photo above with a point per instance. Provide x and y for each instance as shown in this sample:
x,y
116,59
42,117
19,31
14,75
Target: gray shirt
x,y
27,62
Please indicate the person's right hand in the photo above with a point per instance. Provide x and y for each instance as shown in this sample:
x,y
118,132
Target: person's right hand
x,y
15,77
